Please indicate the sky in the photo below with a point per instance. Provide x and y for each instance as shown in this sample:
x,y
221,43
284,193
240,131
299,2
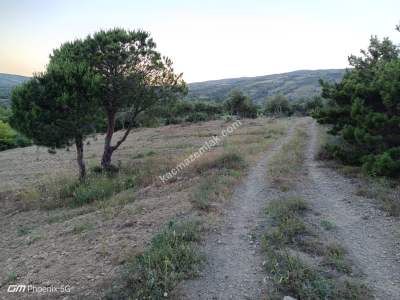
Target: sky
x,y
205,39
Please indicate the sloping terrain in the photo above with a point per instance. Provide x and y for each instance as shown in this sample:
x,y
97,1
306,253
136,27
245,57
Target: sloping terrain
x,y
87,246
49,243
7,83
370,236
337,220
234,268
294,85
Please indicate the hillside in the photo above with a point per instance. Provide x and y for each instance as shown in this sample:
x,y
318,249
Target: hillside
x,y
7,83
294,85
216,216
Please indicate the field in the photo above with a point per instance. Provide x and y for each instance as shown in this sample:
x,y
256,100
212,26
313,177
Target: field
x,y
203,231
86,246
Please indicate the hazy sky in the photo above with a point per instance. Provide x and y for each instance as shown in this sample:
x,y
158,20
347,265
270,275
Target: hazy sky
x,y
205,39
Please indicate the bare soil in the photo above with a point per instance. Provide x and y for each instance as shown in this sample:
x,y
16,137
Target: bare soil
x,y
43,252
371,238
234,269
46,253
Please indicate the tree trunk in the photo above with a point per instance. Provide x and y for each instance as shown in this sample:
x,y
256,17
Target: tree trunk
x,y
108,149
79,158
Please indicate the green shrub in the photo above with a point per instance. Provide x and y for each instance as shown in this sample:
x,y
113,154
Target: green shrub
x,y
277,105
172,257
197,117
363,111
5,113
7,136
282,209
191,111
240,105
327,225
385,164
74,193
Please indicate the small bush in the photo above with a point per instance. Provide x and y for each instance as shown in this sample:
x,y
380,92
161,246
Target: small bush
x,y
385,164
23,230
172,257
71,192
334,258
284,214
282,209
294,277
11,277
327,225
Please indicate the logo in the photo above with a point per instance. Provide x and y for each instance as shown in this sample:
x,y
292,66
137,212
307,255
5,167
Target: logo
x,y
15,288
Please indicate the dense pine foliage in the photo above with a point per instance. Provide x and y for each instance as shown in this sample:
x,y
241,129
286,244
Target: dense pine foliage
x,y
364,110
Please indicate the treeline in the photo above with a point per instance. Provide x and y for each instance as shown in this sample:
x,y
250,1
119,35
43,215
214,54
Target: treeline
x,y
239,105
363,110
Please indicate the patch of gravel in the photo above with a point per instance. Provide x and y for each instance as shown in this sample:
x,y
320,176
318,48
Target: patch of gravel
x,y
234,260
371,238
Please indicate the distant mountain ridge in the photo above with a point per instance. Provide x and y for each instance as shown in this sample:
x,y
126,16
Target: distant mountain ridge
x,y
7,83
294,85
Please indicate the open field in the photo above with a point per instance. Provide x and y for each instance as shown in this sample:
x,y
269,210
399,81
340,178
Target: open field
x,y
87,246
204,233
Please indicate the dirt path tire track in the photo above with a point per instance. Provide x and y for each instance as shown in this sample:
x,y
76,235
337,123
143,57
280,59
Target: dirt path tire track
x,y
371,238
234,262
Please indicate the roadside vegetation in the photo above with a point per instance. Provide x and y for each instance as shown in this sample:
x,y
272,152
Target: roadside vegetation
x,y
362,111
132,194
172,256
292,274
10,138
285,165
383,190
118,203
300,262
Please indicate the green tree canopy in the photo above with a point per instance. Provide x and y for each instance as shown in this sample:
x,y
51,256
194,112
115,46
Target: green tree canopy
x,y
240,105
277,105
364,109
135,77
59,107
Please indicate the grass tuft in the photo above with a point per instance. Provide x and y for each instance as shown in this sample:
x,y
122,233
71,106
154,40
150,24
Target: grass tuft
x,y
293,276
327,225
213,188
281,209
172,257
227,160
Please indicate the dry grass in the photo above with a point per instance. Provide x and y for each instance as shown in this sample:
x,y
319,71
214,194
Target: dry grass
x,y
282,244
285,165
300,262
123,211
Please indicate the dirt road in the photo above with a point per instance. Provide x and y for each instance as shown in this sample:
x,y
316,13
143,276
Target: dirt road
x,y
234,269
371,238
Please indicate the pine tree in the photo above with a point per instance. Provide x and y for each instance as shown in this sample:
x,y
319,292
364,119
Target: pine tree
x,y
59,107
364,110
